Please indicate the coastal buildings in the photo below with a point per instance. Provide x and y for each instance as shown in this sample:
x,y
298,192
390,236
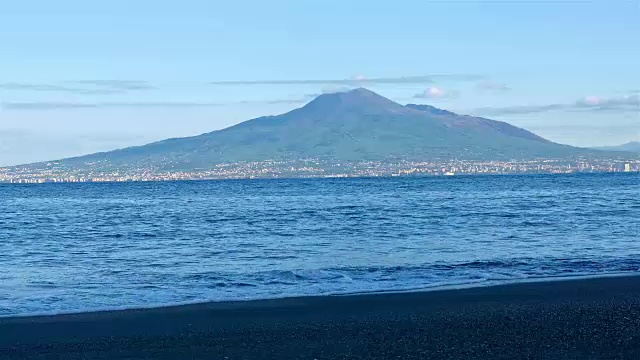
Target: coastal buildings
x,y
311,168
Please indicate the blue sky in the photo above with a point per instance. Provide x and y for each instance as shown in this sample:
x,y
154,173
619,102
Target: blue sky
x,y
82,76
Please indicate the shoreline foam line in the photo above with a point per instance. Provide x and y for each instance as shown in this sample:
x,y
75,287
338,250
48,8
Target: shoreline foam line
x,y
435,288
576,319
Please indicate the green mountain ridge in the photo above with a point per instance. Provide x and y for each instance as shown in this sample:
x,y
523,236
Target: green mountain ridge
x,y
632,146
358,125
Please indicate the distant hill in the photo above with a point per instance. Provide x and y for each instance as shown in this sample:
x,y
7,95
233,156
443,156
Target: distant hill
x,y
633,146
357,125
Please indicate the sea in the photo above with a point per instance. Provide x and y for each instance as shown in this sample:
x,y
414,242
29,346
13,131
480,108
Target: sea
x,y
79,247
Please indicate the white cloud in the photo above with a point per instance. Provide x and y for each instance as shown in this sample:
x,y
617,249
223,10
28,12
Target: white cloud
x,y
628,101
591,100
434,92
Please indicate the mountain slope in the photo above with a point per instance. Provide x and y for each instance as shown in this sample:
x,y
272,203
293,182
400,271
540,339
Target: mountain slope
x,y
358,125
632,146
478,124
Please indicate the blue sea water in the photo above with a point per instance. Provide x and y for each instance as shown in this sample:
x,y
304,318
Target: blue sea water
x,y
79,247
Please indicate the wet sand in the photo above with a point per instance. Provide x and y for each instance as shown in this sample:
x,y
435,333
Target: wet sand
x,y
573,319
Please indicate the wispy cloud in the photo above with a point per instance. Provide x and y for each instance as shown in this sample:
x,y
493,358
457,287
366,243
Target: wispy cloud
x,y
435,92
80,105
56,88
142,105
115,84
358,80
629,103
493,86
519,109
81,87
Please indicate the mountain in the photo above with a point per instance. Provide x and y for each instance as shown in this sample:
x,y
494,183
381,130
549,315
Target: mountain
x,y
632,146
479,124
358,125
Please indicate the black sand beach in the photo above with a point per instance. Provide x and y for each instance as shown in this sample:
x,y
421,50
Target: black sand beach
x,y
577,319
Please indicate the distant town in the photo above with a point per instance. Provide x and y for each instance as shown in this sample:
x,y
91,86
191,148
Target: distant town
x,y
309,168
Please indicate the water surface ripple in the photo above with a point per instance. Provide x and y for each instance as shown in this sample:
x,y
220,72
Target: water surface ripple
x,y
77,247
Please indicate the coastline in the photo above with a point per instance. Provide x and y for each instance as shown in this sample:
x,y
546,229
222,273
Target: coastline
x,y
39,181
418,289
573,318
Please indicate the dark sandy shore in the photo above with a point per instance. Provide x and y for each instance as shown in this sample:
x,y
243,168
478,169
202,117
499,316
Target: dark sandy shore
x,y
578,319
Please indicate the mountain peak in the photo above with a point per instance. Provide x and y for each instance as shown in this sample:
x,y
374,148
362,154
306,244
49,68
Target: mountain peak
x,y
362,92
359,99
